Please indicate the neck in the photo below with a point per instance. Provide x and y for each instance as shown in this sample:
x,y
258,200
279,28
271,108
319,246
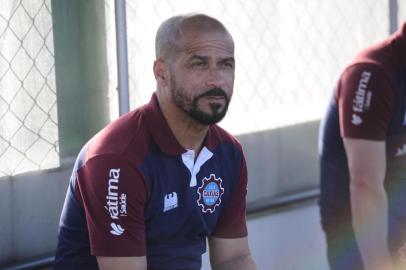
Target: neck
x,y
189,133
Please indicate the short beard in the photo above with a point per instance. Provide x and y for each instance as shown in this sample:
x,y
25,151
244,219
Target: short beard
x,y
190,105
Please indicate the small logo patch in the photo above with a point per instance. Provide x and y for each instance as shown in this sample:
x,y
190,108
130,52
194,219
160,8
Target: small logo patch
x,y
401,151
210,193
170,201
356,119
116,229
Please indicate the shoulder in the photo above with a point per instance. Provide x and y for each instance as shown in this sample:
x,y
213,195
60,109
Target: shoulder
x,y
372,68
119,137
379,57
364,73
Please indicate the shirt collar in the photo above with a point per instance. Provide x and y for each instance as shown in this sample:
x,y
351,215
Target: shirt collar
x,y
163,135
159,129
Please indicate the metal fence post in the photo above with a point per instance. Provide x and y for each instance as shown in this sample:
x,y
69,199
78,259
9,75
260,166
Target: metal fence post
x,y
122,58
393,16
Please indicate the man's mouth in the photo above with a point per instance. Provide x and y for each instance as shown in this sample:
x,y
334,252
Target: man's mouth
x,y
215,97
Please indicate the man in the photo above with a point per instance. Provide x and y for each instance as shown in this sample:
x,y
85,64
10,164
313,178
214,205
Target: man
x,y
148,189
363,161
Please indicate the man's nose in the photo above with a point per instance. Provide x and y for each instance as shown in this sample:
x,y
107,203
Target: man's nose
x,y
215,78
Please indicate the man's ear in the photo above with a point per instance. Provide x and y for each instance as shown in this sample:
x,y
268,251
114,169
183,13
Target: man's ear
x,y
160,73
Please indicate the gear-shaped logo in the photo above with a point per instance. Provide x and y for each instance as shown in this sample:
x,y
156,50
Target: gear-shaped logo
x,y
210,193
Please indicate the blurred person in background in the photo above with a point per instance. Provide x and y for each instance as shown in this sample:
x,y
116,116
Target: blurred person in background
x,y
363,161
149,188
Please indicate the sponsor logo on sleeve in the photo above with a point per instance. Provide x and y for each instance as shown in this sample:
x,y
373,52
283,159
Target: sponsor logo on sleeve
x,y
362,99
116,229
401,151
210,193
116,205
170,201
123,204
356,119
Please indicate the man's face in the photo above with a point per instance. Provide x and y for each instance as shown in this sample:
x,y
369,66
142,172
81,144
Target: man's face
x,y
202,76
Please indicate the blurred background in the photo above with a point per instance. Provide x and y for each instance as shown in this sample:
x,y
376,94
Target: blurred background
x,y
63,77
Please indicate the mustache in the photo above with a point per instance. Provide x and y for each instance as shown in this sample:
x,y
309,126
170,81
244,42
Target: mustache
x,y
214,92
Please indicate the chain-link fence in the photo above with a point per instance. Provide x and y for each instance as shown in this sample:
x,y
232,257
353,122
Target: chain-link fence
x,y
28,110
289,52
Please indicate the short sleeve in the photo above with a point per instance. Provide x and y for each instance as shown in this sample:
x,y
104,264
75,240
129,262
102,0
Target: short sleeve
x,y
113,194
232,222
365,102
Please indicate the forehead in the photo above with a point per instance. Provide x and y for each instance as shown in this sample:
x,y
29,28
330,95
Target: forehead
x,y
219,42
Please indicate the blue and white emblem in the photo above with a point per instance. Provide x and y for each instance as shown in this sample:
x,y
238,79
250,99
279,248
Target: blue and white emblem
x,y
210,193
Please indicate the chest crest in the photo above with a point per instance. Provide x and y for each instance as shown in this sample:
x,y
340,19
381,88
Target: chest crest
x,y
210,193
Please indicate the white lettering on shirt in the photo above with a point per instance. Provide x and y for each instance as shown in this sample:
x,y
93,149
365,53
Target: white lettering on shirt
x,y
359,100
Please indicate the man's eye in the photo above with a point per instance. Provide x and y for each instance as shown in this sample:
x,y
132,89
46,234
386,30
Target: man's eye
x,y
228,64
198,64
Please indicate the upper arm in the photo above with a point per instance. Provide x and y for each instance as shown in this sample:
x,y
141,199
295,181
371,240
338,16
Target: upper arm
x,y
366,161
223,250
365,102
122,263
113,195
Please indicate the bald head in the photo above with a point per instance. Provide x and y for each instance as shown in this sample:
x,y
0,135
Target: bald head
x,y
170,34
